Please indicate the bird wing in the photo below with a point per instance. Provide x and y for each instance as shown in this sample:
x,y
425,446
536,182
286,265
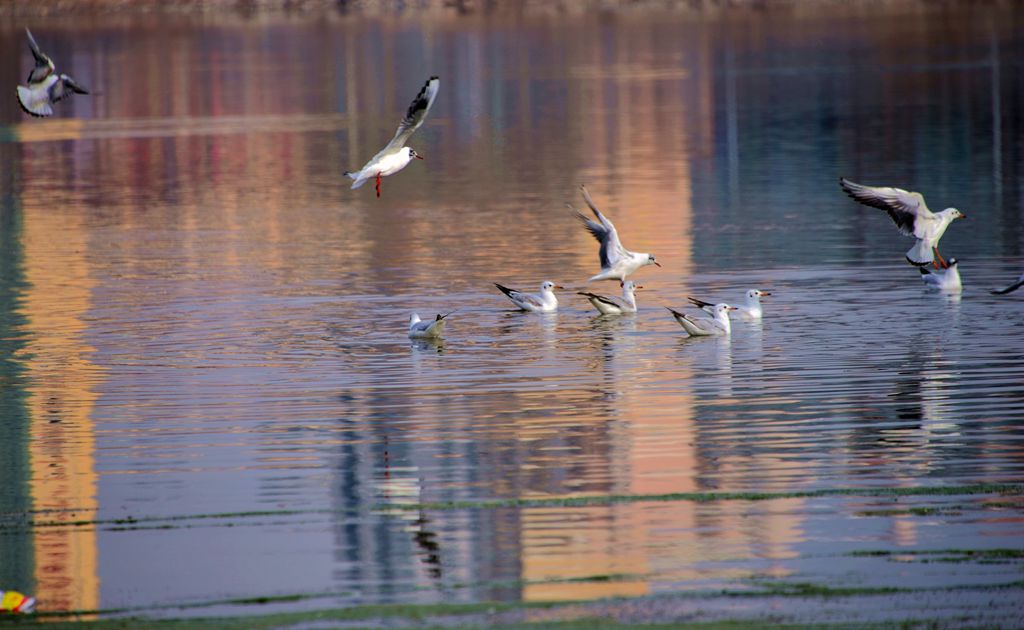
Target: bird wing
x,y
701,303
902,206
519,297
44,65
1010,289
416,114
604,231
602,299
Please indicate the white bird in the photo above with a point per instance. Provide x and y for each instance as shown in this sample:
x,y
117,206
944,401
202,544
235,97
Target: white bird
x,y
750,310
617,262
396,156
612,305
706,326
1010,289
910,214
45,85
432,329
946,280
544,302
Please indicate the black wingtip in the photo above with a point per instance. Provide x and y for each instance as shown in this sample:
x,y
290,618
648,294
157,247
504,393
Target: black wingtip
x,y
507,291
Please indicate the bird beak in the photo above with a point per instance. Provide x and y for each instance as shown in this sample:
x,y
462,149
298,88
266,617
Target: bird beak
x,y
732,308
638,287
558,286
962,216
419,157
765,293
657,263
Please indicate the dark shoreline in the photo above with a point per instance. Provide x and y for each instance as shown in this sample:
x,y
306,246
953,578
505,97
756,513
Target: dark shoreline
x,y
312,8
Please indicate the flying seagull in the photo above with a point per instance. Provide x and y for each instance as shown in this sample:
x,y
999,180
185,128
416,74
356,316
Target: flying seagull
x,y
705,326
617,262
1010,289
45,85
615,306
946,280
910,214
544,302
396,156
750,310
430,329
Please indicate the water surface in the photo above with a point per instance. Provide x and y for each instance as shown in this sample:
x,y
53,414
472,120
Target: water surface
x,y
207,389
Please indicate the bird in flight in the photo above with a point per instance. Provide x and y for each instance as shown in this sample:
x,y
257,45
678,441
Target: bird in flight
x,y
396,156
617,262
45,85
910,214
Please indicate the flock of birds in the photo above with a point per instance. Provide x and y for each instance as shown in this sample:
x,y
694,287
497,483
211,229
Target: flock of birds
x,y
45,87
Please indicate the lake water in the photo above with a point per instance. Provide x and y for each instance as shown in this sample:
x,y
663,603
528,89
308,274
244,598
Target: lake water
x,y
207,392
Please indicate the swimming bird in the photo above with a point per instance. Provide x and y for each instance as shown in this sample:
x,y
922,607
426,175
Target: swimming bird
x,y
612,305
750,310
45,85
946,280
431,329
910,214
617,262
544,302
396,156
1010,289
706,326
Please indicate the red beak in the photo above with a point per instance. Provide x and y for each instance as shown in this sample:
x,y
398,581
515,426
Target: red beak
x,y
419,157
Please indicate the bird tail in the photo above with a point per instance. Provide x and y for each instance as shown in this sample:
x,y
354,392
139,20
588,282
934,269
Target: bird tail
x,y
354,175
920,253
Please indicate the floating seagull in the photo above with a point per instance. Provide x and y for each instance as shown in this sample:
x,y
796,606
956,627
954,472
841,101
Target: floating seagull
x,y
1010,289
751,310
544,302
615,306
705,326
946,280
45,85
616,261
910,214
432,329
396,156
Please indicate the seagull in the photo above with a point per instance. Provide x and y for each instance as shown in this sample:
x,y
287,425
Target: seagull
x,y
705,326
910,214
615,306
45,85
946,280
431,329
617,262
750,310
542,303
396,156
1010,289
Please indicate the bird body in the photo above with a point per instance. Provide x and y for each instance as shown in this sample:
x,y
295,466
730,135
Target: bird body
x,y
946,280
615,306
751,309
45,85
617,262
396,156
910,214
704,326
544,302
431,329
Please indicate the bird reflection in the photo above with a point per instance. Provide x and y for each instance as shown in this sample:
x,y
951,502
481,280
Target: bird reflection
x,y
426,540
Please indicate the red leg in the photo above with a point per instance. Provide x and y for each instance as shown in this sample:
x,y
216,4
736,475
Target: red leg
x,y
378,185
942,263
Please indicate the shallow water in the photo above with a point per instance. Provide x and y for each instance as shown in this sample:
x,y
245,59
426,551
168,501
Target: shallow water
x,y
207,389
